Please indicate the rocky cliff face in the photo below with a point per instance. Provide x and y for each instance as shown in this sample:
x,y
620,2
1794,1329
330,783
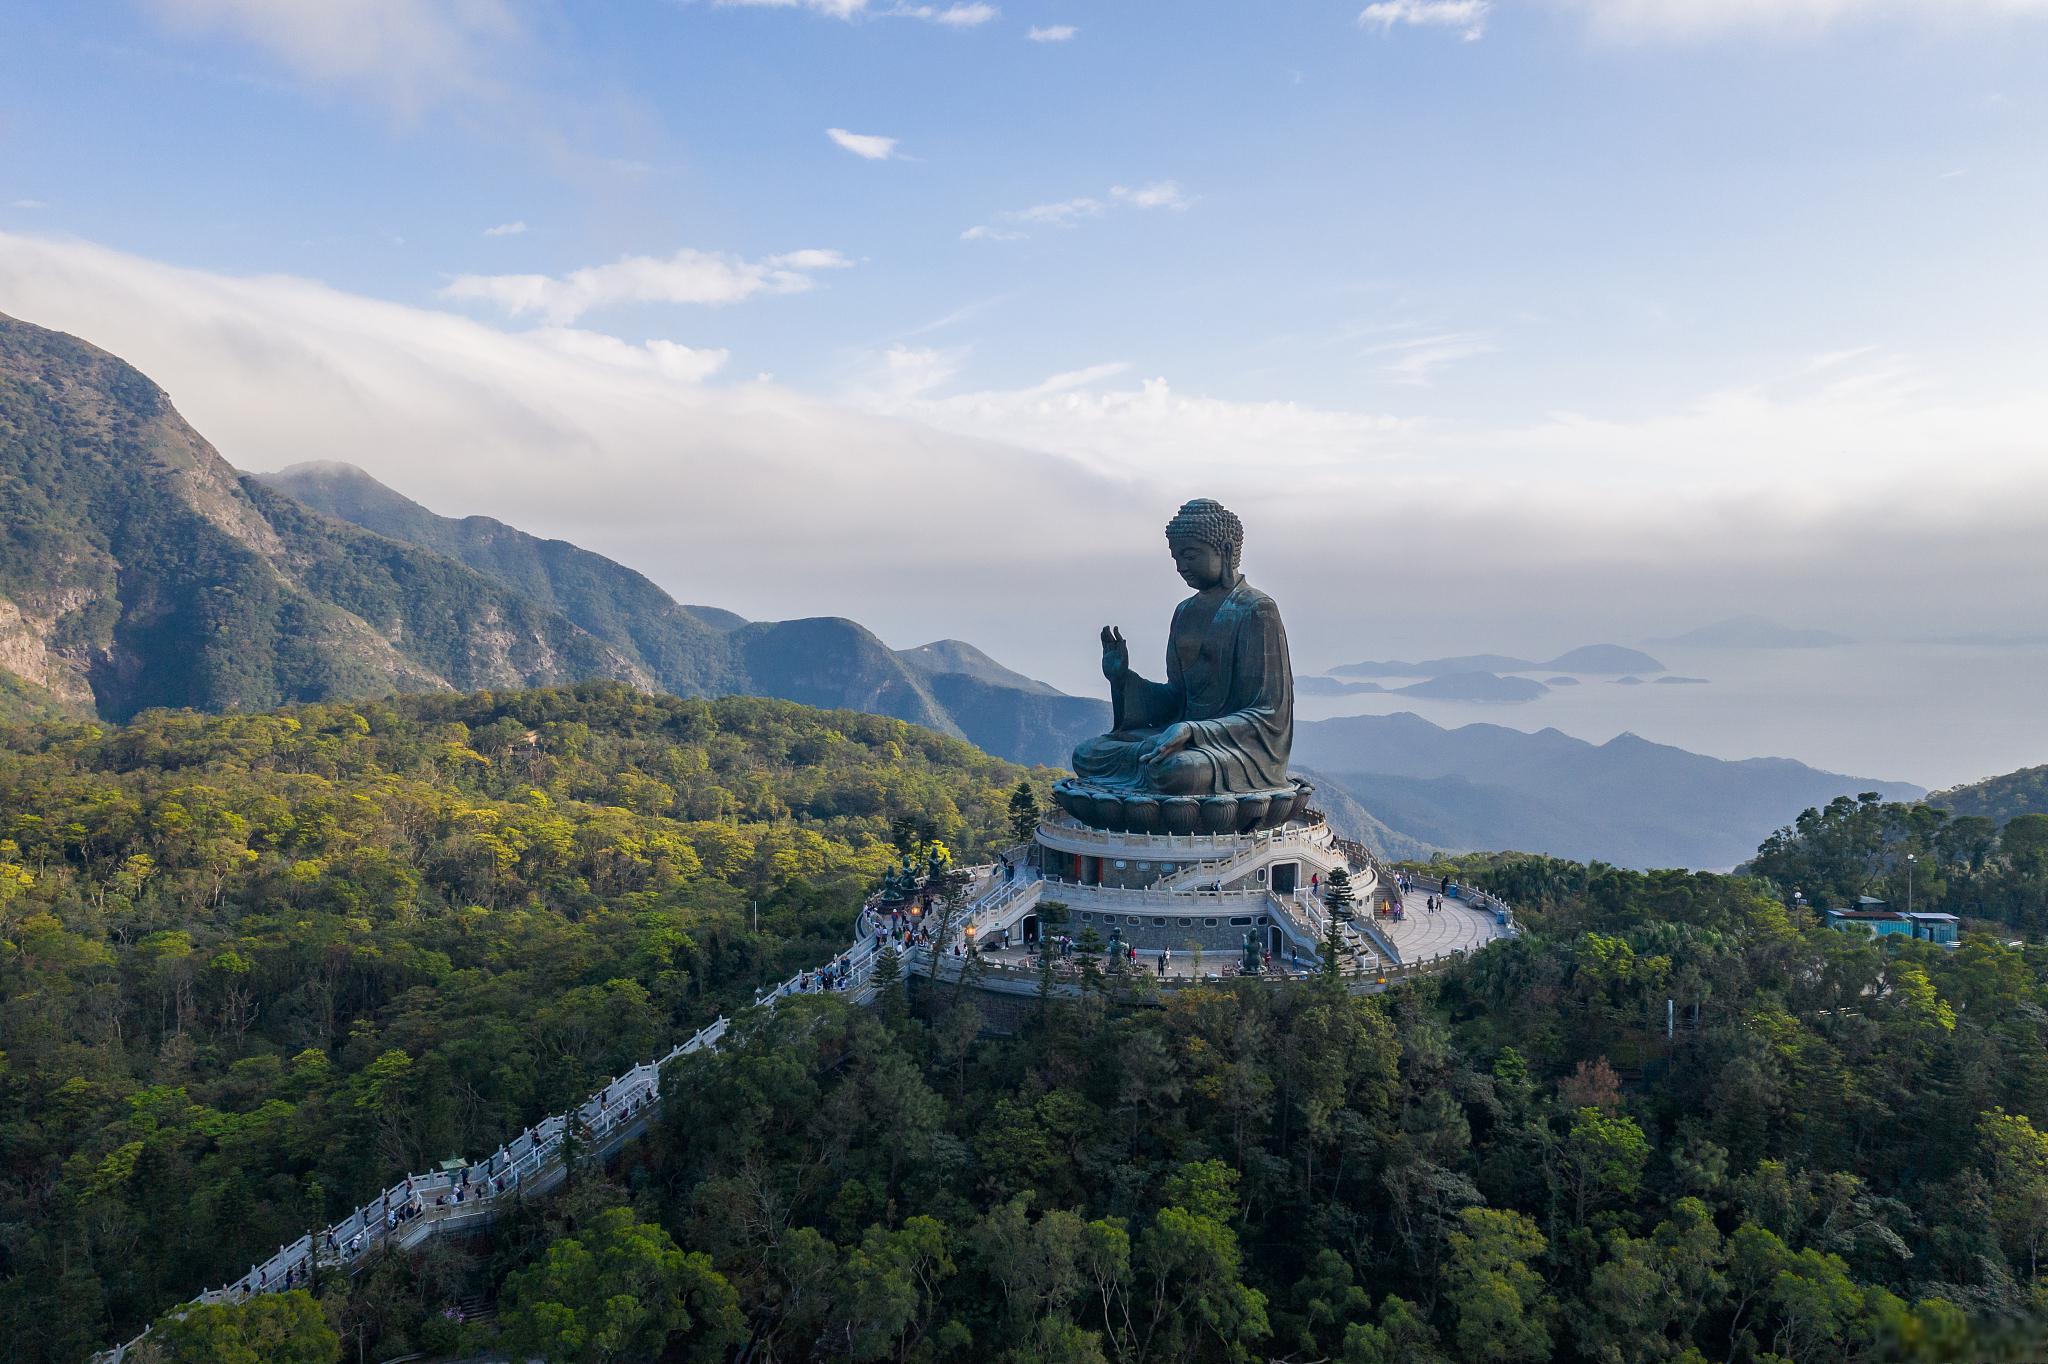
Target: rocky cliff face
x,y
137,568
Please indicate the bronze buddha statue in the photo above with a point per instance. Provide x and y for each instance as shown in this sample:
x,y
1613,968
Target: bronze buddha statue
x,y
1220,725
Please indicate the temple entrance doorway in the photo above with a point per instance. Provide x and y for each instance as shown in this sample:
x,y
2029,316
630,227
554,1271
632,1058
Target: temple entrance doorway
x,y
1030,928
1286,876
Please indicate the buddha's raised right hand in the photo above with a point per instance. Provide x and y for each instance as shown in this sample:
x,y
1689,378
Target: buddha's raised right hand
x,y
1116,655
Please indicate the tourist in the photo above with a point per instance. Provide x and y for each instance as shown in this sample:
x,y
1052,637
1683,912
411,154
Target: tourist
x,y
1315,884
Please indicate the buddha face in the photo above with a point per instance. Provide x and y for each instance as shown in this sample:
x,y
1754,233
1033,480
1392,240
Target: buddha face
x,y
1201,566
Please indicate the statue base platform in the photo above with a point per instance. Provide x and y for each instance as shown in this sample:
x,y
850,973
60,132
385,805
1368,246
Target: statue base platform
x,y
1137,812
1183,892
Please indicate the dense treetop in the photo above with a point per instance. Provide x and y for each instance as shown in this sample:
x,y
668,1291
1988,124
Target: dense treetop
x,y
1926,855
1830,1155
2002,798
252,967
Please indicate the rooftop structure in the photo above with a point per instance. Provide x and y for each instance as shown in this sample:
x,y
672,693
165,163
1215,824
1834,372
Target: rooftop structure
x,y
1944,929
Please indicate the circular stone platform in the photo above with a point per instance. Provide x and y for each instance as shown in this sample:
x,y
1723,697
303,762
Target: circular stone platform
x,y
1141,813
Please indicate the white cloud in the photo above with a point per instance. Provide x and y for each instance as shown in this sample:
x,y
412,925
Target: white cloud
x,y
409,54
960,16
1767,487
1467,16
968,14
688,276
687,364
512,229
868,146
744,494
1693,19
1053,33
1414,360
1151,430
1157,194
1069,212
29,204
1065,213
904,373
1068,380
836,9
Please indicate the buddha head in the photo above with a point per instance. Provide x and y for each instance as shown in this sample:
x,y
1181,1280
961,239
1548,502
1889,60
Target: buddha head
x,y
1206,540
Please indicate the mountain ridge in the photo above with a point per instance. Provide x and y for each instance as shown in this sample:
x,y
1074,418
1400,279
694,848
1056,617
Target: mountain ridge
x,y
1630,800
140,569
947,685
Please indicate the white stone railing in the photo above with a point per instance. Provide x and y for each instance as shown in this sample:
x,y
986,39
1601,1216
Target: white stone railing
x,y
1059,833
1119,898
1189,875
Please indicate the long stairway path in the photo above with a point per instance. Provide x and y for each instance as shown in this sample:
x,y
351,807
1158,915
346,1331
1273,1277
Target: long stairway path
x,y
461,1199
446,1201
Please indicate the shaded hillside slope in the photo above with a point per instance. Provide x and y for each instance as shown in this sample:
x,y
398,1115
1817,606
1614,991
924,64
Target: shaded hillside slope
x,y
2000,798
138,569
1627,801
947,685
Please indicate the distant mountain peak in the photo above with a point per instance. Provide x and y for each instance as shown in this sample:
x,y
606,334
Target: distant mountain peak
x,y
958,656
1604,659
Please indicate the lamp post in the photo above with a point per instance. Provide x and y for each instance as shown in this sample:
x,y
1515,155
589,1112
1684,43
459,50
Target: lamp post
x,y
969,931
1911,859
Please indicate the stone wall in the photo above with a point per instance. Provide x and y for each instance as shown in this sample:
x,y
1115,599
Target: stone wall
x,y
1219,932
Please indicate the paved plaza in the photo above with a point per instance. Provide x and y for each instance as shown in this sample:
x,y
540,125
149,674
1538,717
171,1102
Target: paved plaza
x,y
1422,936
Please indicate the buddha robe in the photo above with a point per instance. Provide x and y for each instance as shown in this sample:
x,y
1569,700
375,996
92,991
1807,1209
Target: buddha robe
x,y
1228,677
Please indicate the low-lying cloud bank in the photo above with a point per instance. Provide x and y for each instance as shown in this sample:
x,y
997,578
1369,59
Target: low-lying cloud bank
x,y
1856,491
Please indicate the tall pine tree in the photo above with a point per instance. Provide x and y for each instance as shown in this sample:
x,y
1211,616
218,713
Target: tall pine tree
x,y
1024,810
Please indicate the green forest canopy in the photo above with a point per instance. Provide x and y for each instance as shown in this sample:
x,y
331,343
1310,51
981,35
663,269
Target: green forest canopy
x,y
253,967
1971,865
1827,1158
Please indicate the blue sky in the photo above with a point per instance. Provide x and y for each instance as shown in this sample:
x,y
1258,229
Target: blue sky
x,y
1652,308
1577,212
